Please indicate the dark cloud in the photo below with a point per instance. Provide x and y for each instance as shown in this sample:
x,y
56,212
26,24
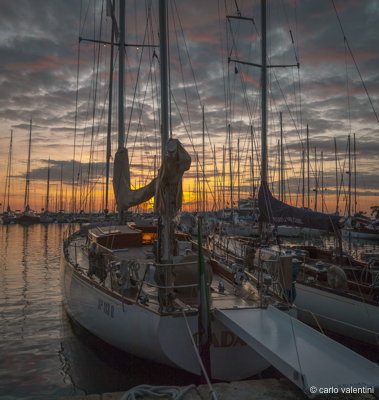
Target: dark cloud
x,y
39,49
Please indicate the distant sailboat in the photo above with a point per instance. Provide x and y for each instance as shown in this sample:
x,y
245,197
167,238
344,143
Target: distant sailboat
x,y
28,217
7,216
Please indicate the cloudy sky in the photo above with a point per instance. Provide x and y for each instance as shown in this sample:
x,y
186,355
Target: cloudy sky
x,y
39,79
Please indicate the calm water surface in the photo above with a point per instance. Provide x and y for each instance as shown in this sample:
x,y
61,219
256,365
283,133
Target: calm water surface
x,y
42,354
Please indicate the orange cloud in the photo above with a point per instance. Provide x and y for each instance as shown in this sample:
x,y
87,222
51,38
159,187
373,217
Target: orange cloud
x,y
249,79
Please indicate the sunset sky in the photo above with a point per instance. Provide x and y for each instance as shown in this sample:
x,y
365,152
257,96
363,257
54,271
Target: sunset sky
x,y
38,79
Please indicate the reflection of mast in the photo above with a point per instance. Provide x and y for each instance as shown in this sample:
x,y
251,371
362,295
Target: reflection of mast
x,y
25,287
27,183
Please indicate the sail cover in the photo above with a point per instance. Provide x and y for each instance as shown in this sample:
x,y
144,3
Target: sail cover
x,y
126,197
276,212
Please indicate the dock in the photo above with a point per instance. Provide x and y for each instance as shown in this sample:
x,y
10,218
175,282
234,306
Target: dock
x,y
260,389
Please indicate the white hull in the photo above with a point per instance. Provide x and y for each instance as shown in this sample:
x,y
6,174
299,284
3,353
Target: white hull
x,y
240,230
312,232
289,231
346,233
135,329
338,314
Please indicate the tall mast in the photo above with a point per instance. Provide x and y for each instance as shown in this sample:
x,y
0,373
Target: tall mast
x,y
214,178
322,181
109,130
9,173
223,176
48,187
316,180
252,160
308,183
349,172
121,77
238,172
281,194
264,93
337,185
163,45
203,136
230,168
61,191
27,182
355,174
303,177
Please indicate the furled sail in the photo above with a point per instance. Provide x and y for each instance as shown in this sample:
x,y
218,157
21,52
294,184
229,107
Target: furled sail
x,y
168,198
276,212
126,197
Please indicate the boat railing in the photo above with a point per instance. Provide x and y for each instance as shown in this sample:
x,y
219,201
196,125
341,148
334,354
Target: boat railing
x,y
176,264
192,285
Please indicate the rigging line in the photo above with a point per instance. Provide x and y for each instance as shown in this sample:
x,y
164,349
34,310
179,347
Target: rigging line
x,y
142,105
343,191
85,17
154,82
95,98
181,72
290,160
289,111
222,48
187,52
355,62
188,134
300,116
154,85
140,126
73,194
243,82
347,89
290,31
137,79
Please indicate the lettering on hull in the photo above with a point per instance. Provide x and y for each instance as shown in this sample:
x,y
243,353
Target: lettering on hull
x,y
105,307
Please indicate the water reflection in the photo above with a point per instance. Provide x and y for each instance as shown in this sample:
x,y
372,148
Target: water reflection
x,y
42,354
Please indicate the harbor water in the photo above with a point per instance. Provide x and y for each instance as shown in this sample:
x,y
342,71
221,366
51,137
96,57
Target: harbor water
x,y
42,353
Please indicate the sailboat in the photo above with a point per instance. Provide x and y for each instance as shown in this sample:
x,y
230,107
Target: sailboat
x,y
136,287
145,289
7,216
28,217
